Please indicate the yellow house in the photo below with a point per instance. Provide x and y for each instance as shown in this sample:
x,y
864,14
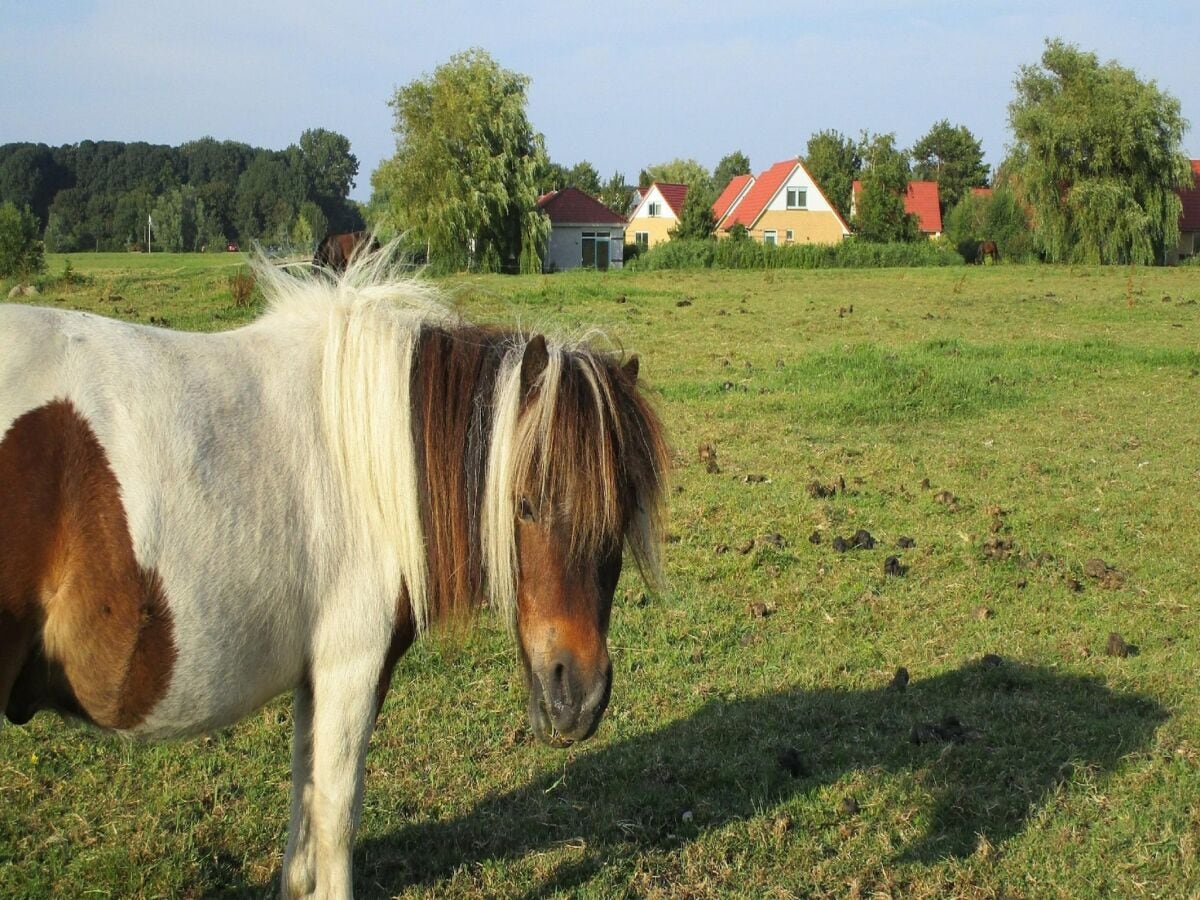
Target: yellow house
x,y
783,205
655,214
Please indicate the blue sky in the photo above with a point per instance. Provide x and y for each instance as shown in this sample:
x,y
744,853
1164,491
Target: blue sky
x,y
621,84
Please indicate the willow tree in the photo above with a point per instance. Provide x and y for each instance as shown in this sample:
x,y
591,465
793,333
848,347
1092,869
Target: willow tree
x,y
1098,156
463,181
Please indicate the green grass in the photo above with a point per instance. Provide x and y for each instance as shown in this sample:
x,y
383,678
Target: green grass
x,y
1057,405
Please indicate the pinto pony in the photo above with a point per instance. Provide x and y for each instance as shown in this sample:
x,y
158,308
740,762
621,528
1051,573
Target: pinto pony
x,y
193,524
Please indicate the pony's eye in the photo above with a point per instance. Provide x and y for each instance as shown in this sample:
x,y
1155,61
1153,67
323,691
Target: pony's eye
x,y
525,510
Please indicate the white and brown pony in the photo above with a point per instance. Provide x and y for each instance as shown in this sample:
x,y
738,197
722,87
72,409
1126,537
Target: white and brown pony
x,y
191,524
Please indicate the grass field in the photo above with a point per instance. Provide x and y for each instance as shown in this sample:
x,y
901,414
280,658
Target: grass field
x,y
1017,423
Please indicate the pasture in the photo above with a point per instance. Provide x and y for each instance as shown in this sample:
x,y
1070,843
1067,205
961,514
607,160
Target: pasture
x,y
1016,423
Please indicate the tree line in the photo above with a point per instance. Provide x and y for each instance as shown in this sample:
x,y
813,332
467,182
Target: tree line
x,y
103,195
1092,174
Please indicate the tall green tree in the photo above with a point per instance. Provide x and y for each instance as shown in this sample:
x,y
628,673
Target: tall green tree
x,y
834,161
732,165
20,249
328,163
676,171
464,180
584,177
269,194
1098,155
330,169
951,156
30,177
696,219
880,215
615,193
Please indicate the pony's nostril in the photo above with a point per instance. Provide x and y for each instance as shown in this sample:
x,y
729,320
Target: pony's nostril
x,y
560,690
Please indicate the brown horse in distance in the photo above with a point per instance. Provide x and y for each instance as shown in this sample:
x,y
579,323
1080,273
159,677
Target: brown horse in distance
x,y
337,250
987,249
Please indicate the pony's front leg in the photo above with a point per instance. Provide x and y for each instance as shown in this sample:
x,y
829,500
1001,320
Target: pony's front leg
x,y
299,861
343,718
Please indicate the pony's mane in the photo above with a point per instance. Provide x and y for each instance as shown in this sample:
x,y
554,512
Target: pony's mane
x,y
583,445
439,497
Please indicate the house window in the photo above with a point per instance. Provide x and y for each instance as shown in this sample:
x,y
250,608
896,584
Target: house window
x,y
789,236
642,239
770,237
596,250
797,198
654,210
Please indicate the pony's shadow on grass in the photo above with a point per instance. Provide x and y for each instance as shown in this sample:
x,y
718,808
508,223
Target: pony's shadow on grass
x,y
1014,733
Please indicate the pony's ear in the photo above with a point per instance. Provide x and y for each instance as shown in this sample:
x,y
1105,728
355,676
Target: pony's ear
x,y
533,363
631,369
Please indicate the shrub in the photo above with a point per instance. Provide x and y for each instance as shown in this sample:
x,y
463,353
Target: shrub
x,y
998,218
750,254
20,250
241,287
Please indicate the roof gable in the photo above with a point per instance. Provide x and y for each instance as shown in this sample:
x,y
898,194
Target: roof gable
x,y
671,195
571,206
765,187
733,192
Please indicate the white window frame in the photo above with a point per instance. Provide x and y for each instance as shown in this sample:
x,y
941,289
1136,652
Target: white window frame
x,y
654,209
642,239
789,236
771,237
794,197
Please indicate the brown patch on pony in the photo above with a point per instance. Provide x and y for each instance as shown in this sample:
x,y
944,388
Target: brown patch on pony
x,y
337,251
454,378
91,631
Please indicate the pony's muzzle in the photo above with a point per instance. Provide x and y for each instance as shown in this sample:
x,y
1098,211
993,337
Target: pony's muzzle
x,y
566,703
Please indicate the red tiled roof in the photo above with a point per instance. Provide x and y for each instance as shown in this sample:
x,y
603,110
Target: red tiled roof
x,y
921,199
571,206
765,187
735,186
674,195
1190,219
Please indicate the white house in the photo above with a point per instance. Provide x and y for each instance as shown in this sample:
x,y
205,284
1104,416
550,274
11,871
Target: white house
x,y
583,232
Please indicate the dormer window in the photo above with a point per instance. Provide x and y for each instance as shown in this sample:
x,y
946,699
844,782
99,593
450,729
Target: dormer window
x,y
797,198
654,210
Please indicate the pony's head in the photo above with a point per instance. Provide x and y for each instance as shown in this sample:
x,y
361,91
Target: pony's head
x,y
581,476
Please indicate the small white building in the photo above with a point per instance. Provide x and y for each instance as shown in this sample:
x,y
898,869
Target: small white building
x,y
583,232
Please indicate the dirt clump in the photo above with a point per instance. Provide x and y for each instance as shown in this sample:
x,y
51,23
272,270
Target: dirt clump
x,y
760,610
708,456
790,760
1118,647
